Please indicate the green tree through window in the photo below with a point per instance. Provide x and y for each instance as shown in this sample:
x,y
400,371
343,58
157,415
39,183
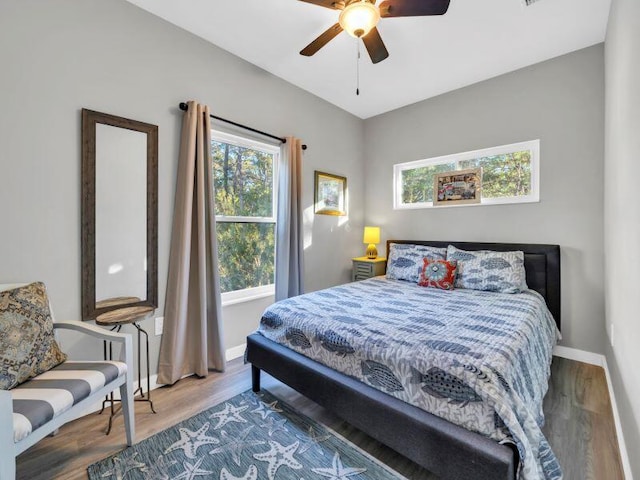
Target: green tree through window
x,y
507,175
243,177
417,183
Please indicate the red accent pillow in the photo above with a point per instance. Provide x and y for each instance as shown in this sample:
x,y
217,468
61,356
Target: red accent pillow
x,y
438,274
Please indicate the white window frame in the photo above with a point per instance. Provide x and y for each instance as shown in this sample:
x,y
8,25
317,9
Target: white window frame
x,y
263,291
533,146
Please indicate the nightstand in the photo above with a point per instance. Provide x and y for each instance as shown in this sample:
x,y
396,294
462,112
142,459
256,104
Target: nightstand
x,y
364,267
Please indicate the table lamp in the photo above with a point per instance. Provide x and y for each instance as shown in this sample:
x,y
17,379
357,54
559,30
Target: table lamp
x,y
371,237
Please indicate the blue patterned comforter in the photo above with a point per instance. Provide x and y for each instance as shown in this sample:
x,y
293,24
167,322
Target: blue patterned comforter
x,y
478,359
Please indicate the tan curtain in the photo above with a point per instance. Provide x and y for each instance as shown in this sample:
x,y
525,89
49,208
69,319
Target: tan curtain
x,y
192,337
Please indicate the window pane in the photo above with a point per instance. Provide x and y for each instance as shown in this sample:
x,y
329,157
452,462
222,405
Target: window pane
x,y
507,175
243,180
246,254
417,183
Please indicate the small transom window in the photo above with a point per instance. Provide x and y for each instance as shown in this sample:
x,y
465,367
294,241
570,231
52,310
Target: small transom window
x,y
510,174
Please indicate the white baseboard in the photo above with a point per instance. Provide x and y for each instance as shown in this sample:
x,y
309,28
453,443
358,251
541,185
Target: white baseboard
x,y
579,355
235,352
601,361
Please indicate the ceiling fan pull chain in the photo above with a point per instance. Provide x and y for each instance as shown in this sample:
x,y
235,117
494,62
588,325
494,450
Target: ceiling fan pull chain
x,y
358,67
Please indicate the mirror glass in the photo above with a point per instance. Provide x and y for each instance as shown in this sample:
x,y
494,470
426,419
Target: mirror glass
x,y
119,213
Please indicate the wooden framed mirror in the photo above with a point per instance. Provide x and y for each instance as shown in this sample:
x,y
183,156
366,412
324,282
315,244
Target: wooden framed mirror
x,y
119,213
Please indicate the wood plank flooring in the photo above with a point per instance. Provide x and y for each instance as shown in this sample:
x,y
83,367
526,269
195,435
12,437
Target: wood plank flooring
x,y
579,422
579,425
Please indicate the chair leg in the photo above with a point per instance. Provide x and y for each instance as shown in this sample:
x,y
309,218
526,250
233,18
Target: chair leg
x,y
128,410
7,446
7,465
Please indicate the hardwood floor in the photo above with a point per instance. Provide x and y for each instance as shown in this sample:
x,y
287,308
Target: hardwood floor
x,y
579,422
579,425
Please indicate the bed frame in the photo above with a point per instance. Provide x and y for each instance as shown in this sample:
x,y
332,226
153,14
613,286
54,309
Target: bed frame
x,y
449,451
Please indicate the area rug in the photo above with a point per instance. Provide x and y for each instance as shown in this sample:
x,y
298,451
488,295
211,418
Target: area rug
x,y
252,436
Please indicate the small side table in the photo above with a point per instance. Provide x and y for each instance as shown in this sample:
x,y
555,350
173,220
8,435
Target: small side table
x,y
365,267
116,319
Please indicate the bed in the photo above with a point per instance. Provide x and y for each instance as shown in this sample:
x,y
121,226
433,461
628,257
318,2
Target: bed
x,y
423,437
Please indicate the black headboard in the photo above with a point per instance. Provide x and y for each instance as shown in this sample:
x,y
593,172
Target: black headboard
x,y
541,262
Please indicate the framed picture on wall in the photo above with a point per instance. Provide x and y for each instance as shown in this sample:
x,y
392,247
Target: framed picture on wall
x,y
330,194
458,187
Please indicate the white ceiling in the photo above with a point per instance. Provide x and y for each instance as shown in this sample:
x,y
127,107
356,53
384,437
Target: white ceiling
x,y
474,41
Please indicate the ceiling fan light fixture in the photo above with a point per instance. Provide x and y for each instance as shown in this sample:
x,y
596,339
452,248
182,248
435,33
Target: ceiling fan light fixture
x,y
359,18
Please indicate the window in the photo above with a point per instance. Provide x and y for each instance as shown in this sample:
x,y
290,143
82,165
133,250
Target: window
x,y
510,174
245,195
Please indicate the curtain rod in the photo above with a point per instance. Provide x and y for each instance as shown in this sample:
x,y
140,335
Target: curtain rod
x,y
183,106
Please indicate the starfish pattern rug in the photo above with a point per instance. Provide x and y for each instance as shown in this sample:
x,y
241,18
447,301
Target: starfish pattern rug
x,y
253,436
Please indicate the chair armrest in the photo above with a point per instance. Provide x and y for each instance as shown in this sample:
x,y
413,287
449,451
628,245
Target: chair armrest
x,y
5,399
92,330
126,352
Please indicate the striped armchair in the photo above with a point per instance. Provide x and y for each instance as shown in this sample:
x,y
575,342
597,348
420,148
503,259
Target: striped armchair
x,y
38,407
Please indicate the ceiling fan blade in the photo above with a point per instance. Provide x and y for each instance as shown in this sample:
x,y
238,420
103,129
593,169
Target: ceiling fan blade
x,y
375,46
321,41
333,4
413,8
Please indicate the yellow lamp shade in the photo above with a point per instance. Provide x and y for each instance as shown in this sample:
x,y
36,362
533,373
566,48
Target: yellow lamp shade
x,y
371,235
358,18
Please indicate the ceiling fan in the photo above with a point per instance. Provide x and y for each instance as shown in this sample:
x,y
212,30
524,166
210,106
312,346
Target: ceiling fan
x,y
359,19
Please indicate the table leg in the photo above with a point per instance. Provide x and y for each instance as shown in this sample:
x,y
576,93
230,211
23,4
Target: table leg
x,y
109,398
142,395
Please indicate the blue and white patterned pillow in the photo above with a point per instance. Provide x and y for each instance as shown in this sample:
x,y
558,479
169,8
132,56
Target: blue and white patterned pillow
x,y
406,259
488,270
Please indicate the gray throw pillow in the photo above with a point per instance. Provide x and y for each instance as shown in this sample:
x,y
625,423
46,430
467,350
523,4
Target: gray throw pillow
x,y
406,259
488,270
27,345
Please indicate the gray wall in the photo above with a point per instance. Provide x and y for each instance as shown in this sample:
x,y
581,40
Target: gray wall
x,y
561,102
58,57
622,215
116,58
